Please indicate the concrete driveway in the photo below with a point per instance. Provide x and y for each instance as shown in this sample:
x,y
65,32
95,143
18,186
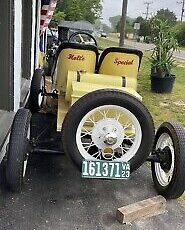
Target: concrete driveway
x,y
56,197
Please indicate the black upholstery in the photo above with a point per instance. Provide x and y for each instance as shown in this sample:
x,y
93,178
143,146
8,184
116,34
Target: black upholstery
x,y
72,45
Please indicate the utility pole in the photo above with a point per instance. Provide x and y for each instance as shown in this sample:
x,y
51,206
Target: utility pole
x,y
123,23
183,9
148,7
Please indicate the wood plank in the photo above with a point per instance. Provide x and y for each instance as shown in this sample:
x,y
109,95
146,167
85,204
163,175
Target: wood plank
x,y
142,209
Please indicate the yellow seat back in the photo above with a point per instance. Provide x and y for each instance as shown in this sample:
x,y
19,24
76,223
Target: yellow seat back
x,y
121,62
74,57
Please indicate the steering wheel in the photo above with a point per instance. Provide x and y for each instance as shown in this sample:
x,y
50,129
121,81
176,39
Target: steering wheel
x,y
85,33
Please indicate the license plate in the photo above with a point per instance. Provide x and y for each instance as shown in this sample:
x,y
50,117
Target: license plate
x,y
104,169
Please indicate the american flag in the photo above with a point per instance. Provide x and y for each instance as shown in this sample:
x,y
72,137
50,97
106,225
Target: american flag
x,y
47,10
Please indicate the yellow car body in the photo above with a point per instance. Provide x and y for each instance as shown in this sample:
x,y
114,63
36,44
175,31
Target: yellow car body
x,y
75,76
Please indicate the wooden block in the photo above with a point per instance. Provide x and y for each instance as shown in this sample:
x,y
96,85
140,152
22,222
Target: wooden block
x,y
142,209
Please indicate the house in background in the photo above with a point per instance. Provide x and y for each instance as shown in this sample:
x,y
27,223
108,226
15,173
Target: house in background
x,y
22,22
66,28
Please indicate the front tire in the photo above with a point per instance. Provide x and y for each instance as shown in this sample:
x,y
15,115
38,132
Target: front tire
x,y
36,91
108,125
169,176
17,155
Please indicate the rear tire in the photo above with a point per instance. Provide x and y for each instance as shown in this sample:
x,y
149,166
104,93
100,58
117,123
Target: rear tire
x,y
17,155
169,179
139,149
36,90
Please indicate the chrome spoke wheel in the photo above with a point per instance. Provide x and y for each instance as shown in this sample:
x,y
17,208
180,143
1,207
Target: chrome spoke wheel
x,y
109,132
164,176
168,175
108,125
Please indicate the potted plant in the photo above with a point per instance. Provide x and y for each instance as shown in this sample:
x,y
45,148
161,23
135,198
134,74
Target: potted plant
x,y
162,59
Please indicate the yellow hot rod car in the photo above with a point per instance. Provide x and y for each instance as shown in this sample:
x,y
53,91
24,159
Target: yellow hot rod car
x,y
101,120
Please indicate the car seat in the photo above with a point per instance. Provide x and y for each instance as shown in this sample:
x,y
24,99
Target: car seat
x,y
121,62
73,57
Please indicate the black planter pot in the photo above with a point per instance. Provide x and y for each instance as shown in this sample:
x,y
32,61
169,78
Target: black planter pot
x,y
162,84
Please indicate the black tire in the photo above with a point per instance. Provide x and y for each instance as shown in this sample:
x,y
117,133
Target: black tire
x,y
36,89
108,97
50,66
176,185
17,150
48,69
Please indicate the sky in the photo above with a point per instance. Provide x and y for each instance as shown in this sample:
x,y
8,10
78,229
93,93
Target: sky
x,y
137,8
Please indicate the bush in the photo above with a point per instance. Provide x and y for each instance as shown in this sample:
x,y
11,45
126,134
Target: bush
x,y
165,43
179,30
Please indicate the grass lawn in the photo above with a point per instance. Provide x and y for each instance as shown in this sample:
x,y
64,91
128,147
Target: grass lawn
x,y
104,42
163,107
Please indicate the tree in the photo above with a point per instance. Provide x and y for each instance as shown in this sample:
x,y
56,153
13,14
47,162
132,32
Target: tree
x,y
145,27
75,10
106,28
139,19
166,15
129,28
114,22
98,24
179,30
118,27
57,17
91,9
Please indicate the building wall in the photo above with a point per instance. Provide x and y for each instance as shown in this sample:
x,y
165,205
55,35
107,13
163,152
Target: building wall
x,y
6,54
34,21
27,11
19,47
17,52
